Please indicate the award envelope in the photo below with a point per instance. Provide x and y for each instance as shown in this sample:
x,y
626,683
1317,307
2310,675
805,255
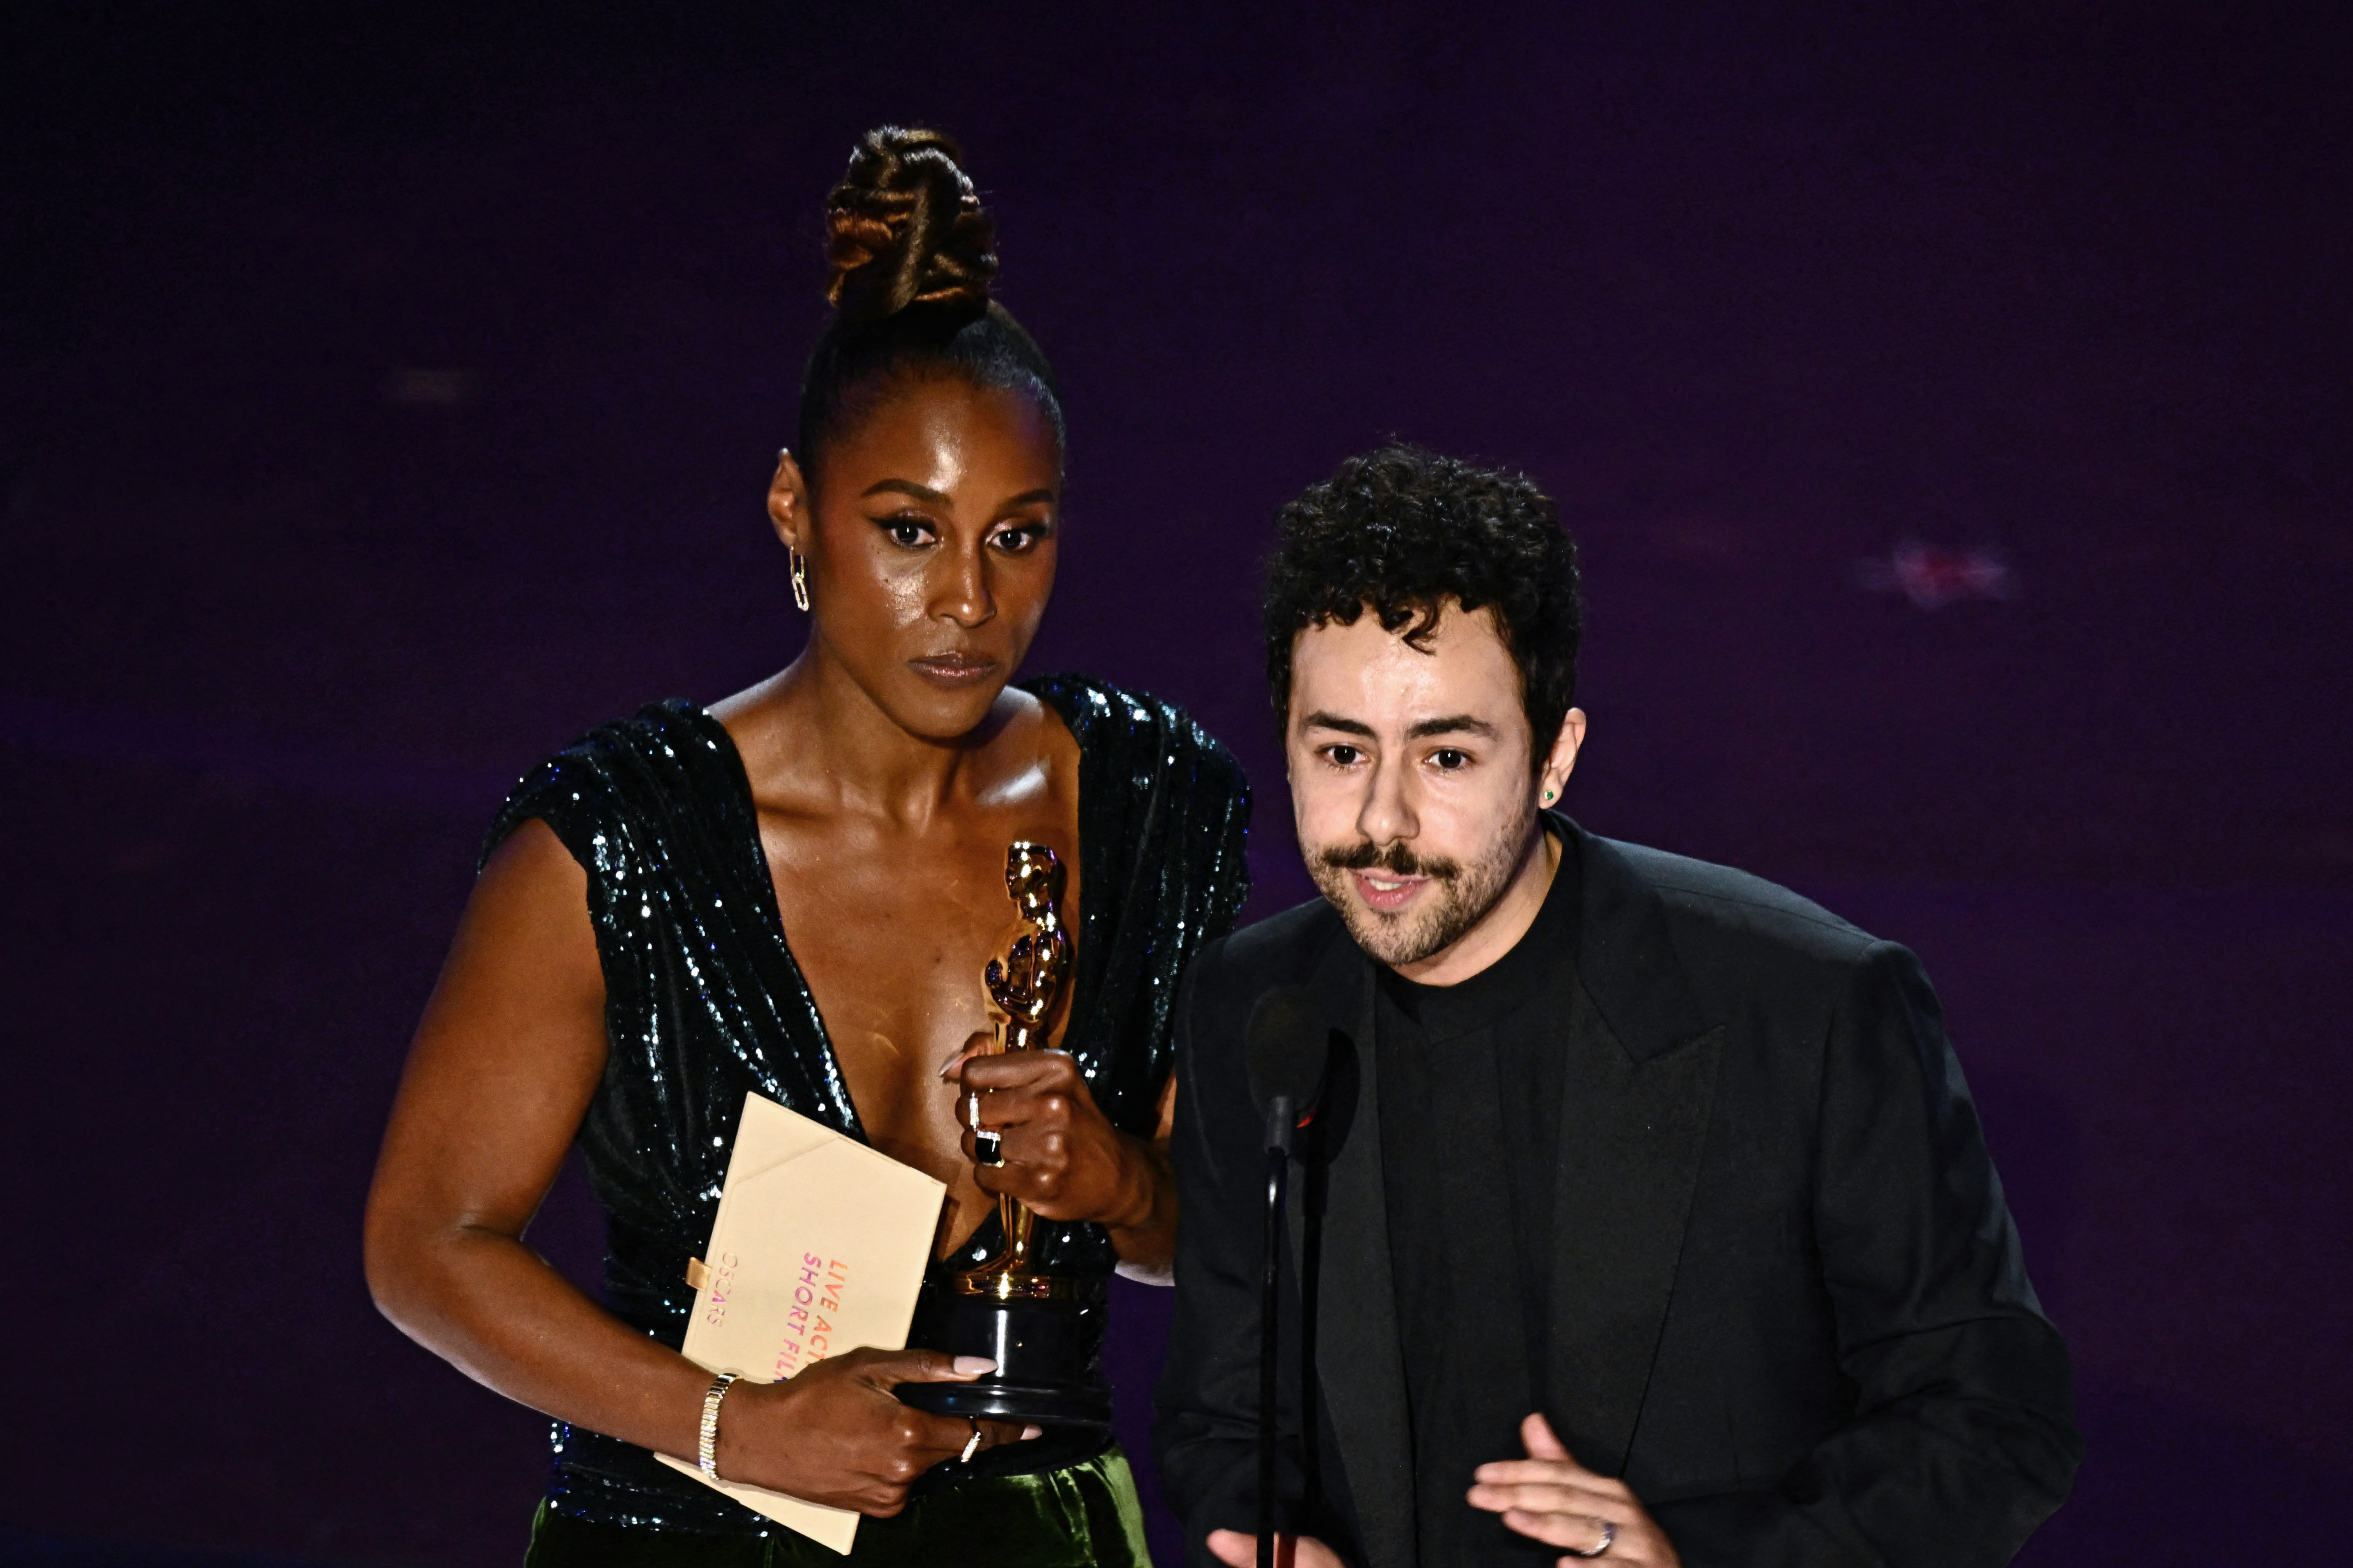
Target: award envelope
x,y
819,1246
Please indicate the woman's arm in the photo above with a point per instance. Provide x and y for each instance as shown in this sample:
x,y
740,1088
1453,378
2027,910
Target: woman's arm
x,y
1066,1161
503,1066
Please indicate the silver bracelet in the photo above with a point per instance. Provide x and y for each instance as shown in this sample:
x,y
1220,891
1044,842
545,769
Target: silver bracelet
x,y
708,1454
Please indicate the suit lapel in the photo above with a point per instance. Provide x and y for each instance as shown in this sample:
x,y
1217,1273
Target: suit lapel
x,y
1641,1087
1361,1369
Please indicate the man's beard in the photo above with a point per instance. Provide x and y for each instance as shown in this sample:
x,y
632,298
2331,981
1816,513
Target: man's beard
x,y
1457,899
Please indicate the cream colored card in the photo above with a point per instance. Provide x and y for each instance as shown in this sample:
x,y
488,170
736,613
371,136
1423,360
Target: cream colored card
x,y
819,1248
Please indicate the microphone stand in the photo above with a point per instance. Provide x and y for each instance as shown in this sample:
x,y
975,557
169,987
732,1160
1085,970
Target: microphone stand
x,y
1280,1122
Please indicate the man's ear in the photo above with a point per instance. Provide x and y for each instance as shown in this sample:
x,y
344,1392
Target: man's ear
x,y
1551,780
788,504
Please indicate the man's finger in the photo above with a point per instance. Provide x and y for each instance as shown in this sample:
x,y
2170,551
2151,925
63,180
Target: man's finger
x,y
1534,1497
1577,1531
1513,1472
1536,1432
1234,1547
1567,1472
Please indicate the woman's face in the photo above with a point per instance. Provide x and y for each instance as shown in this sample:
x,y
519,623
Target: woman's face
x,y
931,544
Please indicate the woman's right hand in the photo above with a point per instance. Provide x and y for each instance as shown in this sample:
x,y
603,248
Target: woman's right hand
x,y
836,1434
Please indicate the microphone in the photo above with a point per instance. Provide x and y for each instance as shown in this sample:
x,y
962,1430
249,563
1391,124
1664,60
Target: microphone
x,y
1287,1050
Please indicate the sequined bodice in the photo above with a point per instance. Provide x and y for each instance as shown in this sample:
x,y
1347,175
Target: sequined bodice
x,y
703,1000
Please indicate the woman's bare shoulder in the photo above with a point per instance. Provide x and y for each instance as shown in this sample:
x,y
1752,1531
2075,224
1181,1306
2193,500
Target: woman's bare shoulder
x,y
745,707
1030,744
528,865
527,922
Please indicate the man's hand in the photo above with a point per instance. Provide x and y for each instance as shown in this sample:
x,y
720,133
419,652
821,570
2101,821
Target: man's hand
x,y
1552,1497
1290,1551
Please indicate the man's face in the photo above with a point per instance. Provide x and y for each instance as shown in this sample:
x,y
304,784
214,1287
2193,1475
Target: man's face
x,y
1412,779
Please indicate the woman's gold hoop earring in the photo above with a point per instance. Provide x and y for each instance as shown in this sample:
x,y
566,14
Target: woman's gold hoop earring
x,y
800,578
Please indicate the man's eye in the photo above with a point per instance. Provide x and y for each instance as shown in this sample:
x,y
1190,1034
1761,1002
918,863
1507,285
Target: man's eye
x,y
1343,756
1449,759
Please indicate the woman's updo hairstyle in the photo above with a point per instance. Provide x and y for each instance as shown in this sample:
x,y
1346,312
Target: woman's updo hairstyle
x,y
908,264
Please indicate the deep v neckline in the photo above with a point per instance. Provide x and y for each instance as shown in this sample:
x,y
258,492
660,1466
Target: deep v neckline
x,y
828,1061
763,890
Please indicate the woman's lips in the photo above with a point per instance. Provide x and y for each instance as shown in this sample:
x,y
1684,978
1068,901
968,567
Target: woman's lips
x,y
954,669
1387,890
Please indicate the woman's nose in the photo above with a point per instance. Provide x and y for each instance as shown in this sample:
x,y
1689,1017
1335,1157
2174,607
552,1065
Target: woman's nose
x,y
963,593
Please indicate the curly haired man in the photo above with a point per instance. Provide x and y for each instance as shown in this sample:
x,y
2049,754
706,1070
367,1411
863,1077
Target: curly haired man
x,y
1646,1211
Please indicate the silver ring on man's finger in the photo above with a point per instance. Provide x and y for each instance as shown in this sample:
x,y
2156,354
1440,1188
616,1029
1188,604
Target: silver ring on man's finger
x,y
1608,1540
971,1443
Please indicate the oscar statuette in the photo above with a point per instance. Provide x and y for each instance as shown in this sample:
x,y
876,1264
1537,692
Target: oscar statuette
x,y
1041,1329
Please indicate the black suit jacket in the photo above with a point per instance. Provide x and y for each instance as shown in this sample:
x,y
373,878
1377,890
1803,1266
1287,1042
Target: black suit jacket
x,y
1788,1304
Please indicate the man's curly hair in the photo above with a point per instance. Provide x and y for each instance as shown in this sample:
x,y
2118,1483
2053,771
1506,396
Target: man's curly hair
x,y
1401,530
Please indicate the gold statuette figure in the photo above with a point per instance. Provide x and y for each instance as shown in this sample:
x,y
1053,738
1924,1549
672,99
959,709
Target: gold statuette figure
x,y
1043,1330
1026,985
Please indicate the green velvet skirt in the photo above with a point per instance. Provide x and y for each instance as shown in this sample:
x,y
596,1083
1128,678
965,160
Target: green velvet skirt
x,y
1082,1516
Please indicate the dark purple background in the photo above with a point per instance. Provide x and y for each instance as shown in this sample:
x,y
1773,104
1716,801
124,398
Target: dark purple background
x,y
389,393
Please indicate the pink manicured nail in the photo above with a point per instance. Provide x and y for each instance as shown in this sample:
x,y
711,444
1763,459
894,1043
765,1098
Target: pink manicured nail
x,y
973,1366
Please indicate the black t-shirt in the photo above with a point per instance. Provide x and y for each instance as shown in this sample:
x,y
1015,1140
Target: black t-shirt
x,y
1470,1085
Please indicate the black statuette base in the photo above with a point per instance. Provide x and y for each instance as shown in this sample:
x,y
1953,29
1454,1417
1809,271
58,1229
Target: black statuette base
x,y
1045,1351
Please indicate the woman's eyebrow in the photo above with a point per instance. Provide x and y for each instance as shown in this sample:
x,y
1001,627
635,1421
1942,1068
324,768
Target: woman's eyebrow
x,y
905,487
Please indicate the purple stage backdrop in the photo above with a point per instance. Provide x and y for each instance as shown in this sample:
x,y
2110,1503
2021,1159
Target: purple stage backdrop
x,y
1951,404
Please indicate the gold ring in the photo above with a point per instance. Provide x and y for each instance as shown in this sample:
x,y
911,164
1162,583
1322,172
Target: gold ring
x,y
972,1444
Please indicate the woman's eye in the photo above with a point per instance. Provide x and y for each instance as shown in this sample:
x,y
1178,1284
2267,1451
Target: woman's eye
x,y
908,530
1448,759
1020,538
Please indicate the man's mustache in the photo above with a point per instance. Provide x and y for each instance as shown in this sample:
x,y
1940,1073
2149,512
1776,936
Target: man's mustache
x,y
1395,857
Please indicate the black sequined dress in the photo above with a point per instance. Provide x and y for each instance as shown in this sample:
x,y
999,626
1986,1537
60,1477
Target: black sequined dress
x,y
703,1002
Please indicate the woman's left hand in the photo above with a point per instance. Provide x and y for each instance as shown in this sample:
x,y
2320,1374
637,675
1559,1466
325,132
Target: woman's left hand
x,y
1063,1157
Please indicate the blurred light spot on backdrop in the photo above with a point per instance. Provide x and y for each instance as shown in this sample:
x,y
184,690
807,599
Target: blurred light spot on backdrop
x,y
1932,577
